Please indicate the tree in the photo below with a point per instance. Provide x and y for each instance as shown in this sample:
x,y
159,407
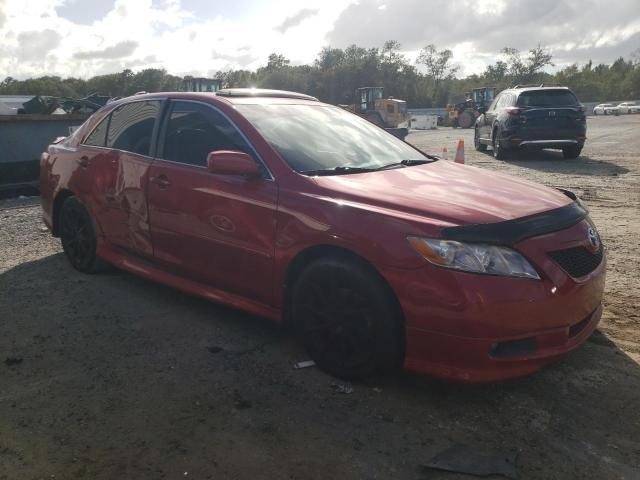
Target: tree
x,y
538,59
497,71
391,51
437,63
526,70
329,58
276,62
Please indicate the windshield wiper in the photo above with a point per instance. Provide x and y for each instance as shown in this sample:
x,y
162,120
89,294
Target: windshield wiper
x,y
338,170
404,163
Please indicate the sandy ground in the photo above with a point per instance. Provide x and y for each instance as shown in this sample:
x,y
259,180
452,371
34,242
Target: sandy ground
x,y
110,376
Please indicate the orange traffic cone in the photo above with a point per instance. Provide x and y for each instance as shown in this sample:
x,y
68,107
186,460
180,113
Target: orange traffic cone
x,y
460,152
445,153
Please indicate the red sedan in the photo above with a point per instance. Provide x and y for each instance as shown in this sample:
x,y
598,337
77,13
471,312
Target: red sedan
x,y
379,254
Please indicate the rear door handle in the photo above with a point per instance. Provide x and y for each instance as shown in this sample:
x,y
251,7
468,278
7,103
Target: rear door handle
x,y
83,161
161,180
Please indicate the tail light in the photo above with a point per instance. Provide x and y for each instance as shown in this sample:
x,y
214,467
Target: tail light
x,y
515,110
582,108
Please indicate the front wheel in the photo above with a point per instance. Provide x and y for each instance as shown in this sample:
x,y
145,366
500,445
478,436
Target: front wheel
x,y
347,318
78,236
571,152
481,147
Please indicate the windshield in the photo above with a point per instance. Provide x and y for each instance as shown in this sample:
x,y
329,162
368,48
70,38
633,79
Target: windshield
x,y
321,137
547,98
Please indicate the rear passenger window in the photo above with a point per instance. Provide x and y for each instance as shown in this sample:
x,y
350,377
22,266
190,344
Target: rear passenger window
x,y
132,125
504,101
194,130
494,104
99,134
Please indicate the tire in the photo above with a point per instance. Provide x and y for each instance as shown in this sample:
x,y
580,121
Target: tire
x,y
465,120
499,152
481,147
347,318
78,236
571,152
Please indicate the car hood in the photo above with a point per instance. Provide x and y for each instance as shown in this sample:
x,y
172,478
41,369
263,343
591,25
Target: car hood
x,y
450,193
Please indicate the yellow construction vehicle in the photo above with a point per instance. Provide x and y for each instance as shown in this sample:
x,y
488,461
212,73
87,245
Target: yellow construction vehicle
x,y
464,114
388,113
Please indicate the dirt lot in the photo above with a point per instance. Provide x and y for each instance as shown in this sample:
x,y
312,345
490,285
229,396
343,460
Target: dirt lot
x,y
111,376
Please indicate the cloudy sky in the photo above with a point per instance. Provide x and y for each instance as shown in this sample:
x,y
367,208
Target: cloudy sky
x,y
89,37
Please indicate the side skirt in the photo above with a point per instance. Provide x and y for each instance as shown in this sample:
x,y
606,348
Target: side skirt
x,y
148,270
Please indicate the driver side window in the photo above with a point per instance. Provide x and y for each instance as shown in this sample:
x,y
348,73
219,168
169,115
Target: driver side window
x,y
193,130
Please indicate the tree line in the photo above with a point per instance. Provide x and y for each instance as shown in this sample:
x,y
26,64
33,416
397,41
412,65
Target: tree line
x,y
431,81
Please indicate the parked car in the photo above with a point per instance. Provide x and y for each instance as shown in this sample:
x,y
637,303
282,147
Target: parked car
x,y
628,107
532,117
379,254
606,109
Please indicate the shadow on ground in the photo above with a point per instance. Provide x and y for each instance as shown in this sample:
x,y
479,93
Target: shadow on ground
x,y
552,161
119,377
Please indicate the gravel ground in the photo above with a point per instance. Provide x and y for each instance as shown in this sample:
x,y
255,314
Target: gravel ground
x,y
111,376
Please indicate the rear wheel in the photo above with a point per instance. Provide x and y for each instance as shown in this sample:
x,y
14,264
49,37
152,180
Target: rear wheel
x,y
481,147
571,152
347,318
499,152
78,236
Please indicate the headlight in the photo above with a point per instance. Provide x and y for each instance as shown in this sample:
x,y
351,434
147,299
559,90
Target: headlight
x,y
473,257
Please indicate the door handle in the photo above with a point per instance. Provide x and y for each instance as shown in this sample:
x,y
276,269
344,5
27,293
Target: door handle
x,y
161,180
83,161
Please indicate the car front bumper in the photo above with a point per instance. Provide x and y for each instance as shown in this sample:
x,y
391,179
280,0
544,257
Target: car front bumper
x,y
481,360
480,328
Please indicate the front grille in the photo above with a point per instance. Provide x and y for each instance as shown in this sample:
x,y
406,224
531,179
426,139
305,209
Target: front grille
x,y
577,261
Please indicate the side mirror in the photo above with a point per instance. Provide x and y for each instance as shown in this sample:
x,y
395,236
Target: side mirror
x,y
228,162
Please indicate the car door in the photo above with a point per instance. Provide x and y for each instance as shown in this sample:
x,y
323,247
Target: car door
x,y
489,117
216,229
130,136
94,175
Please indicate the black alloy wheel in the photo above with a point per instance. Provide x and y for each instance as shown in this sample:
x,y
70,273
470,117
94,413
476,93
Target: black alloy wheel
x,y
347,319
78,236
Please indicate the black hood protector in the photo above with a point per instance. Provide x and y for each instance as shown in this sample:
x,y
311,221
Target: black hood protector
x,y
513,231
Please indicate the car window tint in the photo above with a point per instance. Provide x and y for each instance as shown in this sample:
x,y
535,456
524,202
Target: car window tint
x,y
504,101
131,126
99,134
547,98
494,104
194,130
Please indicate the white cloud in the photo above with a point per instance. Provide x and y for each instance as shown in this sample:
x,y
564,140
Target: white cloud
x,y
88,37
174,38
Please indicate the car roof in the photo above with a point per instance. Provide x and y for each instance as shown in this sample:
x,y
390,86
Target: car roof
x,y
518,89
262,92
229,96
